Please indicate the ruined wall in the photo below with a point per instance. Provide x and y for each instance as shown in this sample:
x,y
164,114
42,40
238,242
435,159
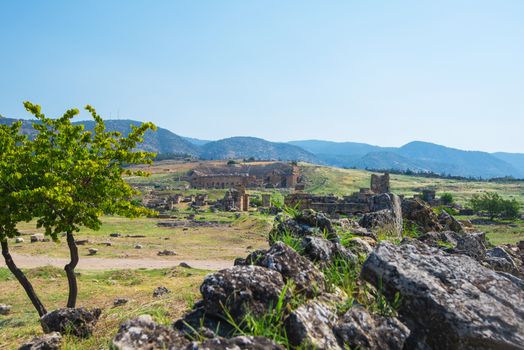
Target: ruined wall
x,y
380,183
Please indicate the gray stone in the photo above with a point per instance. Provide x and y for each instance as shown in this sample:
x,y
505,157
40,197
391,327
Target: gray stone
x,y
323,252
311,325
420,214
449,223
448,301
79,322
120,302
242,290
138,246
143,333
5,309
51,341
359,329
37,237
166,253
19,240
237,343
500,260
92,251
160,291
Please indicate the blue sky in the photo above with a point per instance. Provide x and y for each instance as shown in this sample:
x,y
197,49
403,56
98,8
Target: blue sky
x,y
381,72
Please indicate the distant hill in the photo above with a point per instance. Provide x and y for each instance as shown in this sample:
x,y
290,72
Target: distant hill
x,y
417,156
246,147
196,142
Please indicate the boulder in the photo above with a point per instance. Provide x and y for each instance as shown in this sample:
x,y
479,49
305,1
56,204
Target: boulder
x,y
308,279
470,244
166,253
421,214
448,301
242,290
237,343
311,325
383,220
307,223
391,202
449,223
37,237
359,329
79,322
361,246
120,301
51,341
500,260
323,252
5,309
19,240
198,322
143,333
92,251
160,291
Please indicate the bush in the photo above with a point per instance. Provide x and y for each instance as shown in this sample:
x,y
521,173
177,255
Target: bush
x,y
494,205
447,198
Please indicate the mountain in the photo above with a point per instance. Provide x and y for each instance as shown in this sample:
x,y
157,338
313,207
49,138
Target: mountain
x,y
515,159
417,156
197,142
246,147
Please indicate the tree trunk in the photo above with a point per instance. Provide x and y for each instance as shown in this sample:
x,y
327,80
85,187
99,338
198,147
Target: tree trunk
x,y
28,287
70,270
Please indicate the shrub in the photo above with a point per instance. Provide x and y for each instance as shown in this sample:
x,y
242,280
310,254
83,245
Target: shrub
x,y
447,198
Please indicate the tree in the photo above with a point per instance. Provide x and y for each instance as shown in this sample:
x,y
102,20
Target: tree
x,y
81,177
494,205
15,182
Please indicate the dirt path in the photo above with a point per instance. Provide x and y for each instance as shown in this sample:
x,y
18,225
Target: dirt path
x,y
29,261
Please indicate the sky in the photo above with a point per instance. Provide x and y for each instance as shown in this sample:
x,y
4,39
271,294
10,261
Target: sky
x,y
381,72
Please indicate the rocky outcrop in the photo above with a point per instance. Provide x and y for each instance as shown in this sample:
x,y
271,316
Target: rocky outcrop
x,y
448,301
323,252
449,223
419,213
241,290
307,223
359,329
79,322
51,341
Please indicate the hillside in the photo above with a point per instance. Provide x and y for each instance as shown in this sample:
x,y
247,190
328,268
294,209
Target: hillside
x,y
246,147
515,159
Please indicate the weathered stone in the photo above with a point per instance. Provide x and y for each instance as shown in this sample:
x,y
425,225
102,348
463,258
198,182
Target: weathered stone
x,y
381,220
184,265
448,301
92,251
421,214
449,223
143,333
359,329
115,234
81,241
500,260
242,290
107,244
470,244
292,266
51,341
79,322
308,223
324,252
138,246
237,343
5,309
120,302
311,325
360,246
19,240
160,291
37,237
197,322
166,253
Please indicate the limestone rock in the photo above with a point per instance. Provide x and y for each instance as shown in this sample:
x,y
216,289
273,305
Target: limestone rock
x,y
5,309
448,301
79,322
166,253
307,278
51,341
361,330
37,237
361,246
143,333
500,260
311,325
421,214
449,223
242,289
160,291
322,251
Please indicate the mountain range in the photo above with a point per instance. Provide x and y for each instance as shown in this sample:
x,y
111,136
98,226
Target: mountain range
x,y
416,156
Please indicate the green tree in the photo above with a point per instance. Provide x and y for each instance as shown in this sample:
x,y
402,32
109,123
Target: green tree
x,y
494,205
15,182
81,177
447,198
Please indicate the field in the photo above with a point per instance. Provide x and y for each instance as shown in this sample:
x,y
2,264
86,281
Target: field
x,y
210,241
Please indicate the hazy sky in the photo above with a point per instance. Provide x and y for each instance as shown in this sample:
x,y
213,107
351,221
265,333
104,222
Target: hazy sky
x,y
382,72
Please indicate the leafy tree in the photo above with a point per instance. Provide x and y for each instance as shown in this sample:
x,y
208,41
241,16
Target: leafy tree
x,y
495,206
447,198
81,177
15,181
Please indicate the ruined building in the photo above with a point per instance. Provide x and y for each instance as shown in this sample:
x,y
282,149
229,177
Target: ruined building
x,y
356,203
266,175
235,199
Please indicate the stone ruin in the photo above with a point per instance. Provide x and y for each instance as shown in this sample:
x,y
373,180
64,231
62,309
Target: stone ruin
x,y
356,203
235,199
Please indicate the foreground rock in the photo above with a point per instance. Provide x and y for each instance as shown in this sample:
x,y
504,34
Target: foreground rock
x,y
241,290
448,301
143,333
79,322
51,341
307,223
361,330
419,213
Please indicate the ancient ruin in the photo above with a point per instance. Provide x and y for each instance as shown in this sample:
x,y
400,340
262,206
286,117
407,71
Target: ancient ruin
x,y
266,175
356,203
235,199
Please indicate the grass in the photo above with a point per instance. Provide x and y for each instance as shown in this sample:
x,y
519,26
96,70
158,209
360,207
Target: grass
x,y
97,289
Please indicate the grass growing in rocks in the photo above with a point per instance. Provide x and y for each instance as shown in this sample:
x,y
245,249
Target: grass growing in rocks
x,y
98,289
